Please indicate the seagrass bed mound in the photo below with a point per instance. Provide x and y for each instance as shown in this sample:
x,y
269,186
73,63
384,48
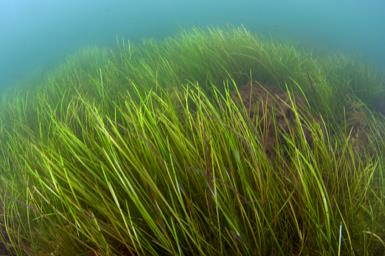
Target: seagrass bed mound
x,y
212,142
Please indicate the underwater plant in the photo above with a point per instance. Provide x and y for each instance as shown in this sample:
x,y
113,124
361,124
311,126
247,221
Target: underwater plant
x,y
214,142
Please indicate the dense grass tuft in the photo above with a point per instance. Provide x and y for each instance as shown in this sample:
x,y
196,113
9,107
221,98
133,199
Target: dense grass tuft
x,y
209,143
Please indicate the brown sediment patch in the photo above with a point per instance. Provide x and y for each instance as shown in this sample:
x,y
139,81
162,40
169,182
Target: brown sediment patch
x,y
274,111
273,108
358,126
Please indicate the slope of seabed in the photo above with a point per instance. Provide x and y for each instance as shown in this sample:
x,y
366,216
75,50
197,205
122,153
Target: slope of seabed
x,y
213,142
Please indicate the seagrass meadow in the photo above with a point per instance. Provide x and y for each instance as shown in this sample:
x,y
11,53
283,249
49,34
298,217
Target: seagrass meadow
x,y
212,142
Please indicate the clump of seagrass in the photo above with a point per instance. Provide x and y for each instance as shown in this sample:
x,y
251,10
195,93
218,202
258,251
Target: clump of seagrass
x,y
4,237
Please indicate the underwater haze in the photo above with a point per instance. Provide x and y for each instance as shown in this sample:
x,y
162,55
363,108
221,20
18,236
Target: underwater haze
x,y
34,35
192,127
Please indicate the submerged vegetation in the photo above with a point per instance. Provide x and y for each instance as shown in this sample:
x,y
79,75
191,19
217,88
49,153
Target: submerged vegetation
x,y
210,143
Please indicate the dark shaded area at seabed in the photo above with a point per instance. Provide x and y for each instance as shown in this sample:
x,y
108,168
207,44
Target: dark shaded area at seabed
x,y
38,34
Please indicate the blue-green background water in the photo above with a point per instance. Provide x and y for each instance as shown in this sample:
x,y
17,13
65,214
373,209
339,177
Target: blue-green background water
x,y
36,34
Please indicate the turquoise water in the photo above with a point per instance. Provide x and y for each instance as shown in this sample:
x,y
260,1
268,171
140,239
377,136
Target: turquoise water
x,y
36,34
